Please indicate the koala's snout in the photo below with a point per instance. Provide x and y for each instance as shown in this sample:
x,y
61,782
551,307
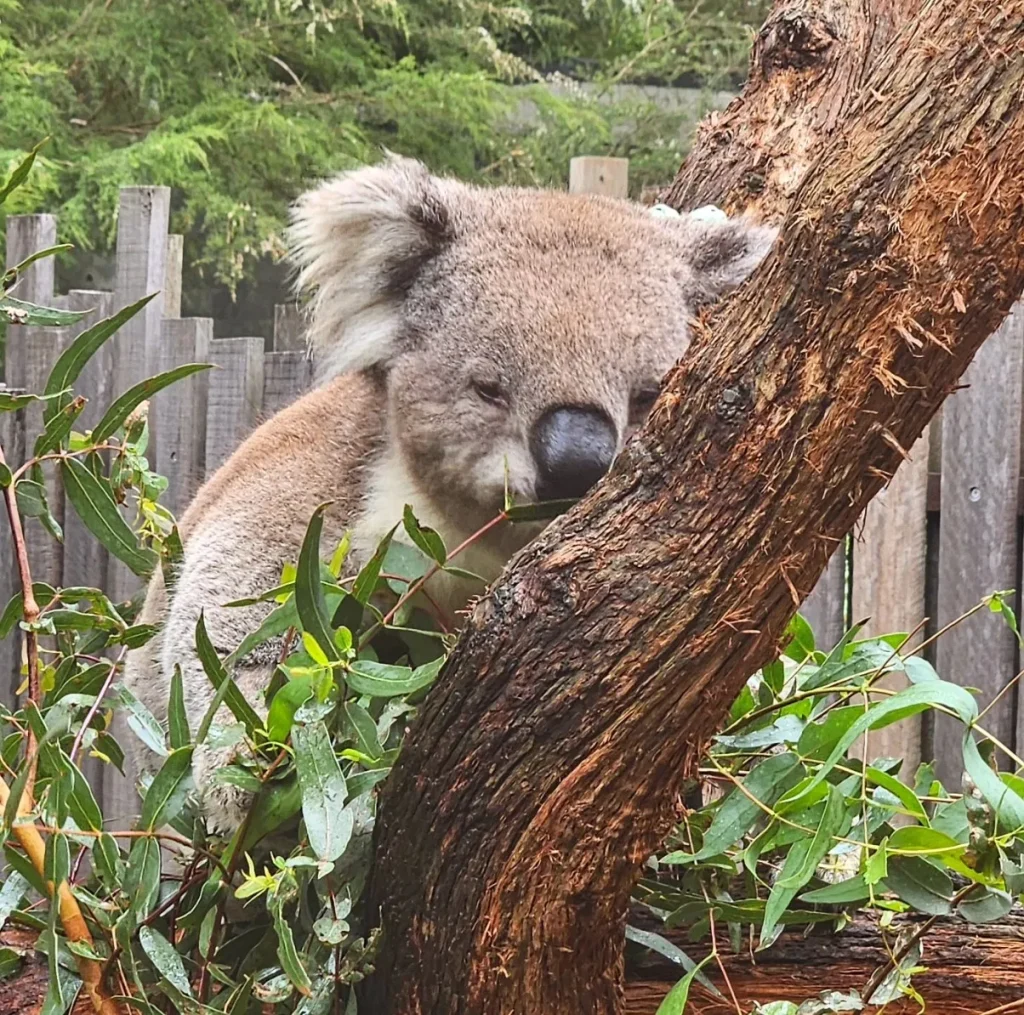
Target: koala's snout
x,y
573,448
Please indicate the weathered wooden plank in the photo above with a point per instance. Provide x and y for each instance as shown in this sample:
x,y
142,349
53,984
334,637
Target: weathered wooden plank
x,y
592,174
143,215
141,270
825,608
172,284
30,354
981,434
12,440
889,584
289,327
236,396
286,376
179,412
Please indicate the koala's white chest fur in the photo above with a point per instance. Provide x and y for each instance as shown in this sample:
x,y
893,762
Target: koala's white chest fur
x,y
390,487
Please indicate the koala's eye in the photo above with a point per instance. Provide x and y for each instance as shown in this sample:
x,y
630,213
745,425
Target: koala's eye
x,y
641,403
489,392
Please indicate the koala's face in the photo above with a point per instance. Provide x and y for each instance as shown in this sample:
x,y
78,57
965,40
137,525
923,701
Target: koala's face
x,y
521,335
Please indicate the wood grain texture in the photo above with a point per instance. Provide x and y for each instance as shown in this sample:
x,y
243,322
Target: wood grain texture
x,y
825,608
289,328
179,412
286,376
30,354
981,430
592,174
889,552
236,396
12,440
545,764
172,274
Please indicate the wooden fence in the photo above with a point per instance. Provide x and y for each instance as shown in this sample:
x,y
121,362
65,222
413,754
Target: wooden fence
x,y
945,533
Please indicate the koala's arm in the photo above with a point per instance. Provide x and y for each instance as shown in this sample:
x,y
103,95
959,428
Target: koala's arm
x,y
244,525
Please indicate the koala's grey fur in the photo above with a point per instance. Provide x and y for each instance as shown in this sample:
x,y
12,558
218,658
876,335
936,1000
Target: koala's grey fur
x,y
427,291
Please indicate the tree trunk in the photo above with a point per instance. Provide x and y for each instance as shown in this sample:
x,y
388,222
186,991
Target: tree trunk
x,y
545,765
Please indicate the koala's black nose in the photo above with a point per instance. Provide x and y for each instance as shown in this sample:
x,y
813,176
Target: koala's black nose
x,y
573,447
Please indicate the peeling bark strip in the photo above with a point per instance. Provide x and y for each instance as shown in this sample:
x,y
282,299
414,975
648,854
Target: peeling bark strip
x,y
544,767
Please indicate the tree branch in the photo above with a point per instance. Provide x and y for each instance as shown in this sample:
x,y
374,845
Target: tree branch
x,y
544,768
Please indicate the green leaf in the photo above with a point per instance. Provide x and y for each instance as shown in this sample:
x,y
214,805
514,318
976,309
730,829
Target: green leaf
x,y
364,729
142,722
382,680
538,512
12,273
22,313
801,639
802,861
366,581
910,701
738,812
58,428
275,624
94,504
165,959
71,362
159,807
227,690
853,889
675,1000
426,539
81,802
309,595
12,891
920,884
142,876
664,947
177,718
288,699
287,953
904,794
912,838
985,905
122,407
328,823
1008,805
20,173
878,865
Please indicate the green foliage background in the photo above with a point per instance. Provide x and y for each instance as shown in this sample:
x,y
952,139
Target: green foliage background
x,y
238,103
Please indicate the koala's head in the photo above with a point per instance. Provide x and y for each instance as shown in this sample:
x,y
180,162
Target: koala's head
x,y
517,333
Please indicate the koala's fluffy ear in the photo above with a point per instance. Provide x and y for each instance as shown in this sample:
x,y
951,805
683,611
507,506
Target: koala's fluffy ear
x,y
722,251
357,242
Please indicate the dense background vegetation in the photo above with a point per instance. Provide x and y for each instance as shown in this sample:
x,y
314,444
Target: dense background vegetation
x,y
237,103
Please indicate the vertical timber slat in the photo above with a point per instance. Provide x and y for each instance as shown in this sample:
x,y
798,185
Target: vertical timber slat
x,y
981,433
30,354
286,376
824,609
180,411
889,583
593,174
172,284
289,328
236,396
12,440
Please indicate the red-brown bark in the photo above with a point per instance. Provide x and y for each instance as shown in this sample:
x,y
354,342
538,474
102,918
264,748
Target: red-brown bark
x,y
545,765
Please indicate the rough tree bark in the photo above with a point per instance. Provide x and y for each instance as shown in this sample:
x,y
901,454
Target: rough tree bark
x,y
545,765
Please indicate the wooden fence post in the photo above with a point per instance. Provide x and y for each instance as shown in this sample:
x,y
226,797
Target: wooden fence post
x,y
981,453
286,376
236,396
825,608
30,354
889,585
592,174
289,328
180,412
12,439
172,277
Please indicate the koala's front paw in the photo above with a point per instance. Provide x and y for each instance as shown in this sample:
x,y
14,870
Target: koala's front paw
x,y
223,806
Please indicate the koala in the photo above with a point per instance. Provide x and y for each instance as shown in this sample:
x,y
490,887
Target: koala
x,y
468,341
